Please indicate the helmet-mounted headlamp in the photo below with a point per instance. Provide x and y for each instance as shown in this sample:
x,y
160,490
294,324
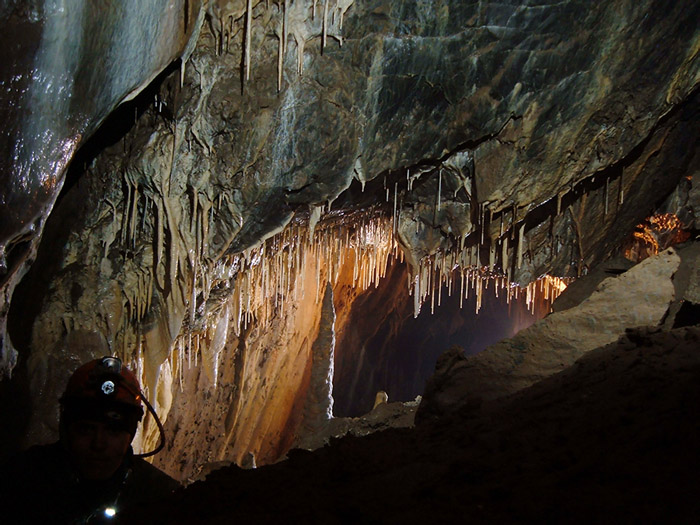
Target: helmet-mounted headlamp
x,y
105,389
108,372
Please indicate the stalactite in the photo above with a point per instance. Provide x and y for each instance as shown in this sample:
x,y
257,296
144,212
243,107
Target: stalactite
x,y
605,209
134,214
160,235
439,287
478,294
521,240
621,195
482,226
125,215
248,22
192,309
325,24
270,276
559,197
285,26
280,56
393,216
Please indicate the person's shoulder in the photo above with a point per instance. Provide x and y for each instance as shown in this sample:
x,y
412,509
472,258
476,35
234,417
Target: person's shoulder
x,y
39,471
37,457
149,475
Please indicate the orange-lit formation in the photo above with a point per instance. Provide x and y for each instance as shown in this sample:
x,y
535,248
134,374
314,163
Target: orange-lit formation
x,y
285,276
270,276
655,234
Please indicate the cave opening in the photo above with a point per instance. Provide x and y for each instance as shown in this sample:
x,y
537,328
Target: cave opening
x,y
386,348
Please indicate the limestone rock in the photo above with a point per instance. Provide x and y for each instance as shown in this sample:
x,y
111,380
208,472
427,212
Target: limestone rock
x,y
318,407
67,67
612,439
577,291
637,298
382,417
480,119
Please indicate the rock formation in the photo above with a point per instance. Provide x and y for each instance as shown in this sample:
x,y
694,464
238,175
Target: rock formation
x,y
611,439
556,342
189,224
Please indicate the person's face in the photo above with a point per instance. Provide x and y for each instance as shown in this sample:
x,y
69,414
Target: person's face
x,y
96,449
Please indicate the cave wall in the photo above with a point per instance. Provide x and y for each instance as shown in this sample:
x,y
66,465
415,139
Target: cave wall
x,y
493,134
67,66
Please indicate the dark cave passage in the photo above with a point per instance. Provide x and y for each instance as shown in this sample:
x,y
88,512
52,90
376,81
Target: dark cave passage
x,y
384,348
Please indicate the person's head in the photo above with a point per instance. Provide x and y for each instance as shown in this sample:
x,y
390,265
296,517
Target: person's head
x,y
100,411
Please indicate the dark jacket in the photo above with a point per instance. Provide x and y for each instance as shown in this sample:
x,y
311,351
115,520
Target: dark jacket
x,y
39,486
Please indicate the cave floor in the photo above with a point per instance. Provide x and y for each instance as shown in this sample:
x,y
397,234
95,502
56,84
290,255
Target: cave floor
x,y
613,439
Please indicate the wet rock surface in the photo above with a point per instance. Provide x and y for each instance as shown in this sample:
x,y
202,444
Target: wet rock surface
x,y
538,98
67,67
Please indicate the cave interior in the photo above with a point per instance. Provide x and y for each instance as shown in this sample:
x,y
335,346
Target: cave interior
x,y
424,260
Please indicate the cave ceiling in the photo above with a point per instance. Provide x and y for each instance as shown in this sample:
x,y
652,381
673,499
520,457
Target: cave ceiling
x,y
525,137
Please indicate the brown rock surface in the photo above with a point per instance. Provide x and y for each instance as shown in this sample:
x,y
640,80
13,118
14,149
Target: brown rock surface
x,y
611,439
639,297
567,121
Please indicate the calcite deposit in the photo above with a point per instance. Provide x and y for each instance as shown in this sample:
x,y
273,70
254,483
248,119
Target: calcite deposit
x,y
183,179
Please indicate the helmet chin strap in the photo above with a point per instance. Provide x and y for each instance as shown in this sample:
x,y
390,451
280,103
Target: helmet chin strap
x,y
161,430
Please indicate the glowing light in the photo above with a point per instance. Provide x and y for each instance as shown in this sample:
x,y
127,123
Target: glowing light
x,y
110,512
655,234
